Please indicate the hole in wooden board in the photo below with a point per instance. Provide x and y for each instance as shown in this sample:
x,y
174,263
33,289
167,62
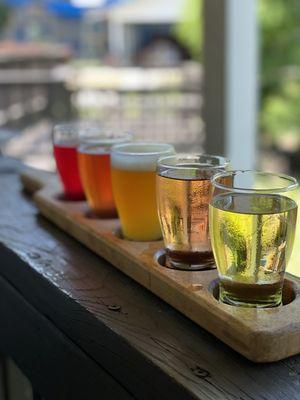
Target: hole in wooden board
x,y
213,288
97,215
288,292
62,197
119,234
161,258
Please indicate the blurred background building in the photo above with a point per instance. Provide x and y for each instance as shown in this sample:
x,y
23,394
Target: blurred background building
x,y
124,62
138,65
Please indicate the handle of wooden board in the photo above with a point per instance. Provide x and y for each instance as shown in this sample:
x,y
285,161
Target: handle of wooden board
x,y
34,179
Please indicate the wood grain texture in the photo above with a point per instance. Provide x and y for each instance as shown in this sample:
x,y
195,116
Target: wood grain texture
x,y
260,335
154,351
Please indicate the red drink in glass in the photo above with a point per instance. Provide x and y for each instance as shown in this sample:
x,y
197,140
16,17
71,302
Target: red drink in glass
x,y
65,142
67,166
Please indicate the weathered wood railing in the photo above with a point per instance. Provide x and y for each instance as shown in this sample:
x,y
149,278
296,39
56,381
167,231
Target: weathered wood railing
x,y
27,94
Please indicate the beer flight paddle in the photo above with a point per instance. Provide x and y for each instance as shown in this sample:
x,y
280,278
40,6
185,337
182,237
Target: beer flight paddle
x,y
201,211
262,335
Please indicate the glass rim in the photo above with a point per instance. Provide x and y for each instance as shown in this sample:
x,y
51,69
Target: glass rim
x,y
68,129
63,125
292,186
73,126
187,156
117,149
104,140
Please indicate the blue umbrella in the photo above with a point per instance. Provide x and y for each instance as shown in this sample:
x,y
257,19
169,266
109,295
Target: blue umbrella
x,y
62,6
64,9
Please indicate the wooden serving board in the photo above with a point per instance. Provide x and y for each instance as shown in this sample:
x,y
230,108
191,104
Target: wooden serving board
x,y
260,335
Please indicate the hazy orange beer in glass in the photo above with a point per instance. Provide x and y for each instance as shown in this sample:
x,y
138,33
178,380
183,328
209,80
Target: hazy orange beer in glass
x,y
133,179
95,172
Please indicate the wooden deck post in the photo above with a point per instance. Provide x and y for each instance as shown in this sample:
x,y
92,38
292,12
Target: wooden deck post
x,y
230,63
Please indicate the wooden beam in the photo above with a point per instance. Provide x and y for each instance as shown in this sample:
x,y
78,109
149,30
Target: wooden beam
x,y
57,368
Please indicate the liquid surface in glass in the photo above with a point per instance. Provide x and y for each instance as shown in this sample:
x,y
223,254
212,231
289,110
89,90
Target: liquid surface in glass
x,y
252,238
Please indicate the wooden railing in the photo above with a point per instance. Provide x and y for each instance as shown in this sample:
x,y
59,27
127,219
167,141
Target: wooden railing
x,y
28,94
160,104
154,104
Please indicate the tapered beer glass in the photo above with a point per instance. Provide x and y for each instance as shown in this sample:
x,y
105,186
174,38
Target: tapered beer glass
x,y
133,179
65,142
252,227
95,170
183,195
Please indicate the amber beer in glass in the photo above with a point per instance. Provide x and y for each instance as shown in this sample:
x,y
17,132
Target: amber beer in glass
x,y
183,196
95,172
133,178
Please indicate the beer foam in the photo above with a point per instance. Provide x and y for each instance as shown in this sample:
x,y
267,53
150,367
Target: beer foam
x,y
139,156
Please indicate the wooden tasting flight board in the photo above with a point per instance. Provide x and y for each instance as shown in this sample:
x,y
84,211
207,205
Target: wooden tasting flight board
x,y
260,335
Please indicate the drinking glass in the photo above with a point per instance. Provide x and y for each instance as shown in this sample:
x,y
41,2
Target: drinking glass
x,y
95,171
252,228
65,142
133,178
183,194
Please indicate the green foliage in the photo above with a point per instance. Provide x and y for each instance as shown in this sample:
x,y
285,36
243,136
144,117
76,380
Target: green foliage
x,y
4,13
280,66
189,30
280,109
280,59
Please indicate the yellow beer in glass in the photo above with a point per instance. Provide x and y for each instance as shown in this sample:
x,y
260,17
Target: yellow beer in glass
x,y
133,171
252,219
